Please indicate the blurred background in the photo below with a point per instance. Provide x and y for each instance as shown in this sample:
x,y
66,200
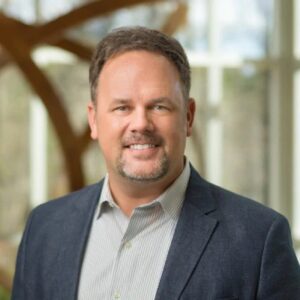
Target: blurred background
x,y
245,59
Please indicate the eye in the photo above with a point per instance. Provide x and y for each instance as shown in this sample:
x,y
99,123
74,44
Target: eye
x,y
121,108
160,107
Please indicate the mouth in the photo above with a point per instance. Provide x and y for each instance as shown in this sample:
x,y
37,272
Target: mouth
x,y
141,146
143,151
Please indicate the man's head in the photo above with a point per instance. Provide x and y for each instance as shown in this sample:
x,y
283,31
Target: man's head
x,y
140,112
139,38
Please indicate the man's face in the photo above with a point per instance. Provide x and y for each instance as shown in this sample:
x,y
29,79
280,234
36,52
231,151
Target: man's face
x,y
141,120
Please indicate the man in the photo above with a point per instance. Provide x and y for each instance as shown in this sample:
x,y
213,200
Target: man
x,y
153,228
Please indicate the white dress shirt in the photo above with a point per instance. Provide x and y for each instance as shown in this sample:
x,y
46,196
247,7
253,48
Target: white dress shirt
x,y
125,257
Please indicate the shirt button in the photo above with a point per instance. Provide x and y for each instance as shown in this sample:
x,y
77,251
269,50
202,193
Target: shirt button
x,y
117,296
128,245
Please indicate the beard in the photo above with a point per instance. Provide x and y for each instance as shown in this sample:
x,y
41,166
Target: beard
x,y
159,168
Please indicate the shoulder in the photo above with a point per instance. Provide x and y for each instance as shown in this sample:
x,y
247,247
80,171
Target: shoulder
x,y
252,239
244,224
233,208
56,219
237,205
62,206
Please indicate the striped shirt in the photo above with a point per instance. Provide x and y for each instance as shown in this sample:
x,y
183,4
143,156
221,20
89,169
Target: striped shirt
x,y
125,257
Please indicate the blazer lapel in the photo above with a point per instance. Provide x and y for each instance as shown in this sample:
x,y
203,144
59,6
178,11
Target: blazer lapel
x,y
193,232
74,235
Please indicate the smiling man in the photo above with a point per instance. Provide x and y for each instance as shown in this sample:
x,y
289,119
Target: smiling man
x,y
141,119
152,228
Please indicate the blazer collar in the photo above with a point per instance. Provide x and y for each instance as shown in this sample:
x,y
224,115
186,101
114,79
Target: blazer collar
x,y
193,232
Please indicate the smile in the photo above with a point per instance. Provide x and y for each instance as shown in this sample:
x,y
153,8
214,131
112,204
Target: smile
x,y
141,146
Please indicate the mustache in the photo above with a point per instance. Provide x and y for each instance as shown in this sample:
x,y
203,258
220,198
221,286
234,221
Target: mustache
x,y
142,138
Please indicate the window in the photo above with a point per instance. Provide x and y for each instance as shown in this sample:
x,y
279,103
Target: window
x,y
245,57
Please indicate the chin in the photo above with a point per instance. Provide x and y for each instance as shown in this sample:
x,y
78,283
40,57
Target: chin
x,y
144,175
144,171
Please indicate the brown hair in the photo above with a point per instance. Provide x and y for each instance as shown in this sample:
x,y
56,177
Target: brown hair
x,y
139,38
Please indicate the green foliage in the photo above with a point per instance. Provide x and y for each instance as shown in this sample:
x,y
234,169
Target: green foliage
x,y
4,295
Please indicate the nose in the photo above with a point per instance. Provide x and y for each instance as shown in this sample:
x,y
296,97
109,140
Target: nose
x,y
141,121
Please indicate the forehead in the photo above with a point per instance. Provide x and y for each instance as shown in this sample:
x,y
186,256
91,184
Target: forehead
x,y
141,57
139,63
138,74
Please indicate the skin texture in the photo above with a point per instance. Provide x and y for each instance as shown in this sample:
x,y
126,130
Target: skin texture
x,y
141,122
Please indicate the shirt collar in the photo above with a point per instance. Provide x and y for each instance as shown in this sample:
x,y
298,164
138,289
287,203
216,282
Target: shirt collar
x,y
106,198
170,200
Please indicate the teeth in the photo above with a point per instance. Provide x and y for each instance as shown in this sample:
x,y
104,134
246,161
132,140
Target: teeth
x,y
141,146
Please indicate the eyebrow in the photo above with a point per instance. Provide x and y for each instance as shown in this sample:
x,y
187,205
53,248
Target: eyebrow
x,y
121,100
154,100
160,99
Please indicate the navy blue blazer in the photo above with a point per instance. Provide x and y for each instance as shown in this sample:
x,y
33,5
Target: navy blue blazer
x,y
224,247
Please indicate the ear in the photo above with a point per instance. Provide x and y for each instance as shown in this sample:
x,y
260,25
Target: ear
x,y
92,120
190,113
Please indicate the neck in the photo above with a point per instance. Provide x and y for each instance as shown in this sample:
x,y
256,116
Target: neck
x,y
130,194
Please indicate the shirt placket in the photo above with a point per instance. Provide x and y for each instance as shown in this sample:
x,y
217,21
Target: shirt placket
x,y
124,258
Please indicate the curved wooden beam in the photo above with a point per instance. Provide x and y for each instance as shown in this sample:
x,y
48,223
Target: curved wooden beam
x,y
25,31
36,34
51,32
15,25
7,262
72,46
84,139
55,28
20,52
5,280
176,19
4,59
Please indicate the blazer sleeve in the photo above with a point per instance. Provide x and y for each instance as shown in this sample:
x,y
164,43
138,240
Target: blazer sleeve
x,y
280,270
19,283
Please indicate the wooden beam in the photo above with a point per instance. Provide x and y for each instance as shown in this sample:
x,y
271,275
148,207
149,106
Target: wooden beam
x,y
25,31
55,28
84,139
176,19
52,31
4,59
8,253
72,46
20,52
5,280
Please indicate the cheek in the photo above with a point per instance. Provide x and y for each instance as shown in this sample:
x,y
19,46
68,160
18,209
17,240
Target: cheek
x,y
116,125
175,135
110,132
